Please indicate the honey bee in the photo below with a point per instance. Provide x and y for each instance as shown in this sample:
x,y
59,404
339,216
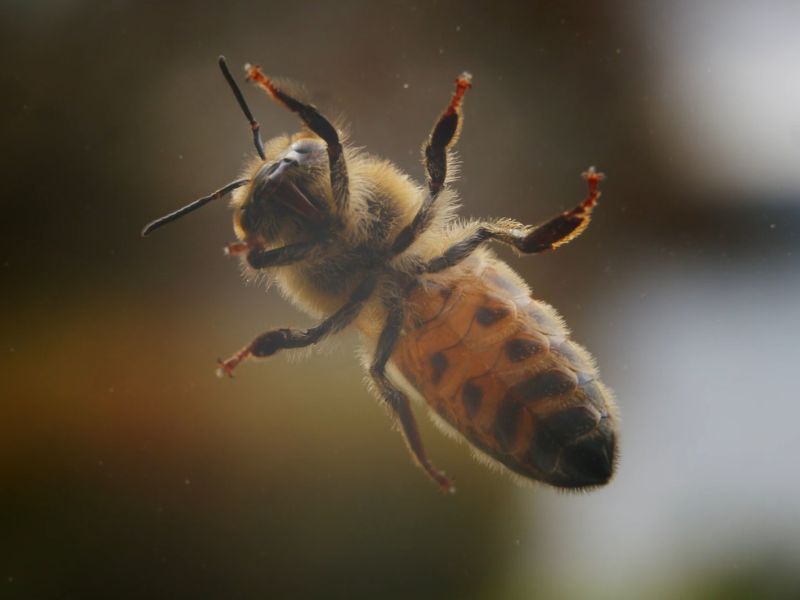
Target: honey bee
x,y
352,240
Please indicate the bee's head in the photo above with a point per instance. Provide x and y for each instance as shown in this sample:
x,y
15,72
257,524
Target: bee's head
x,y
287,190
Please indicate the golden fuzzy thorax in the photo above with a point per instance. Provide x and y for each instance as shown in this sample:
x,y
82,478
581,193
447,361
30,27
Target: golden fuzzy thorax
x,y
383,200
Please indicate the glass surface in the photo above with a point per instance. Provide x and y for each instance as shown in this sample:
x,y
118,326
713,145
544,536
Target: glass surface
x,y
127,469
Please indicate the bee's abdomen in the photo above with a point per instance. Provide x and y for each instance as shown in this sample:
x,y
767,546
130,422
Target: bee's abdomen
x,y
498,366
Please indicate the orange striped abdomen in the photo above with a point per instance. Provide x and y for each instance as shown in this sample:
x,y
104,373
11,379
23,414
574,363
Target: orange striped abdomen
x,y
498,367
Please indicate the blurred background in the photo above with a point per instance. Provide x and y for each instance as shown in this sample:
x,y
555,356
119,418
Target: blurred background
x,y
127,469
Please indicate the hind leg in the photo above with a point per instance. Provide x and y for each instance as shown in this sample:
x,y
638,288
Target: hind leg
x,y
398,402
525,239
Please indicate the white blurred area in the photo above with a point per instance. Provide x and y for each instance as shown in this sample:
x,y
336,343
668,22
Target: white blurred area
x,y
704,363
702,348
725,77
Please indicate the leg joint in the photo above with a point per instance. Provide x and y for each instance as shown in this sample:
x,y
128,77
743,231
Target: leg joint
x,y
269,343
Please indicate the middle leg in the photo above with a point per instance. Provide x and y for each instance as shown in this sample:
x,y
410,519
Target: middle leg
x,y
444,134
275,340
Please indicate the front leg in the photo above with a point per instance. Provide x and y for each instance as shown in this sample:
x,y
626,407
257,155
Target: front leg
x,y
261,258
525,239
318,124
275,340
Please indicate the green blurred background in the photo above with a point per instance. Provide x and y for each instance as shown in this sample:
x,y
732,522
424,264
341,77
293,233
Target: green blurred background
x,y
127,469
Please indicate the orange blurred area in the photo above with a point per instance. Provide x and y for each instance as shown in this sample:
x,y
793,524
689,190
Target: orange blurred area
x,y
128,469
121,447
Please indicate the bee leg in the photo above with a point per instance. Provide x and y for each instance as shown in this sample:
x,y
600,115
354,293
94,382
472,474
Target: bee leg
x,y
258,258
525,239
317,123
276,340
239,247
444,134
261,258
398,402
566,226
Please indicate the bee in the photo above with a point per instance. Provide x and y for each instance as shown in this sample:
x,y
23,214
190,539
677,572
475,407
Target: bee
x,y
353,241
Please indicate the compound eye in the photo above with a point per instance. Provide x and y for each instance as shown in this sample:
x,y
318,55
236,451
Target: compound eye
x,y
249,218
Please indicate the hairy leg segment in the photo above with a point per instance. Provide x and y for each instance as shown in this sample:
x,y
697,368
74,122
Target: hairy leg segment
x,y
275,340
397,401
443,136
525,239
